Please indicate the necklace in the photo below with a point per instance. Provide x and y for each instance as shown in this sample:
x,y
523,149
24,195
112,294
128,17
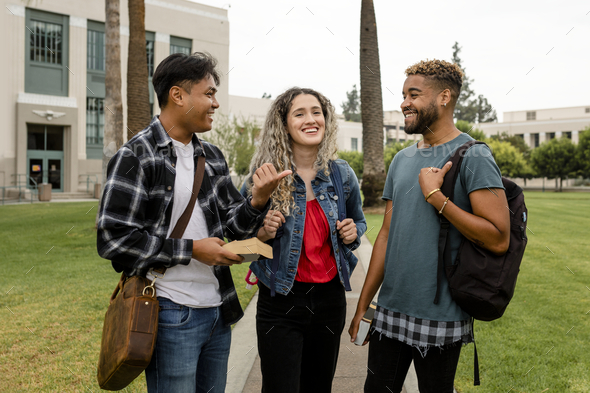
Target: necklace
x,y
427,146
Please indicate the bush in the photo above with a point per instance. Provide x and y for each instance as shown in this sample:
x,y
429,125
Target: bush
x,y
355,160
392,149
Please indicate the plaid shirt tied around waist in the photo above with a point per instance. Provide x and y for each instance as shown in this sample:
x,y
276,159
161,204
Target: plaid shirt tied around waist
x,y
136,207
421,334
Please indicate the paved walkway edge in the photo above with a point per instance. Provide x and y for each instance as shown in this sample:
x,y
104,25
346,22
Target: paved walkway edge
x,y
244,348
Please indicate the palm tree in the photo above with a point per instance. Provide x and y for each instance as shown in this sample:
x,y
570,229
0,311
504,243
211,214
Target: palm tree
x,y
371,108
138,102
113,113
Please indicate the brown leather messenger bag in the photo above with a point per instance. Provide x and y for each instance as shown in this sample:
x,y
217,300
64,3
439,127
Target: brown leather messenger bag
x,y
131,322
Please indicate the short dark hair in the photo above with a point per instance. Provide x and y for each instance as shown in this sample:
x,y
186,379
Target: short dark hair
x,y
182,70
441,74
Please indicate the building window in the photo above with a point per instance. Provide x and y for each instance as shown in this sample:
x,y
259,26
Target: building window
x,y
587,110
550,135
531,115
402,128
180,45
94,121
567,134
535,140
96,51
521,136
46,53
149,49
354,144
46,42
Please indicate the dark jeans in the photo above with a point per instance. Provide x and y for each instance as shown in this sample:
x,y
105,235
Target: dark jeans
x,y
389,361
299,337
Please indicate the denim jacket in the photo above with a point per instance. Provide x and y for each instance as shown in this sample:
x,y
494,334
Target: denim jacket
x,y
292,240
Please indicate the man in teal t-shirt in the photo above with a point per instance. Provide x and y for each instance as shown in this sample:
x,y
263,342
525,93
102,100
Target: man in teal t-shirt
x,y
407,324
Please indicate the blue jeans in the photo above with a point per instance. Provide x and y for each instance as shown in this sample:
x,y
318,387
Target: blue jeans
x,y
389,361
191,351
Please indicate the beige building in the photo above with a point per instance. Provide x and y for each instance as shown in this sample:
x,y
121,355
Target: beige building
x,y
393,123
53,75
541,125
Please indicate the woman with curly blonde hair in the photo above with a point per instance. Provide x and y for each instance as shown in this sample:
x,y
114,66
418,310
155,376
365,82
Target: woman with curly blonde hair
x,y
301,307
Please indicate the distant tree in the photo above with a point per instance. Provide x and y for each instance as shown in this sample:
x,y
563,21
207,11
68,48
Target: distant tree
x,y
351,107
508,158
469,128
583,153
470,108
371,108
554,159
516,141
392,149
268,96
245,148
354,159
236,139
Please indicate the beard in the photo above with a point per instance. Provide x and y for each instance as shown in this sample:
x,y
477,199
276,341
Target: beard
x,y
423,119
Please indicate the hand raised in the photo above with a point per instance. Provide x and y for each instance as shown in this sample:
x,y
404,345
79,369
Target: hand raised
x,y
265,181
210,251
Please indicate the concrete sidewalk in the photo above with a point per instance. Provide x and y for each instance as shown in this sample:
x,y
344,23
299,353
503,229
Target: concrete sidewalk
x,y
244,364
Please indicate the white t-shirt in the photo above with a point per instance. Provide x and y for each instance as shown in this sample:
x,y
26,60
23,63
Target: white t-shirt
x,y
195,284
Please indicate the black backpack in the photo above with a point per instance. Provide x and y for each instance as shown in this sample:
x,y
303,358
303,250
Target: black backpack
x,y
481,283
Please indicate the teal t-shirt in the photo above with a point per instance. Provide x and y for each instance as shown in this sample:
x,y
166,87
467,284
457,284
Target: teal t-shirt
x,y
409,284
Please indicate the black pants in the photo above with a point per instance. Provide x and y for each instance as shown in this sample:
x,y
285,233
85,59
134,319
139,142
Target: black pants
x,y
299,337
389,361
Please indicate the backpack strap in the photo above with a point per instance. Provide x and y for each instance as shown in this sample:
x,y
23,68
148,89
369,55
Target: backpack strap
x,y
448,189
341,202
444,247
276,257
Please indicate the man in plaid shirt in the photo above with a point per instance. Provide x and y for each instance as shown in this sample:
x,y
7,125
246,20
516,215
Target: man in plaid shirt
x,y
149,184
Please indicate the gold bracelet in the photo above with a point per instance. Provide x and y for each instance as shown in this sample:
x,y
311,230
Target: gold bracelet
x,y
431,192
443,206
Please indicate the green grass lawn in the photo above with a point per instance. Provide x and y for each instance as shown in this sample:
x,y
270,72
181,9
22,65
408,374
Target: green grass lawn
x,y
541,344
54,293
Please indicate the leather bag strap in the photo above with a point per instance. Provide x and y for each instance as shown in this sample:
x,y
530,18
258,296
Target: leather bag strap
x,y
182,222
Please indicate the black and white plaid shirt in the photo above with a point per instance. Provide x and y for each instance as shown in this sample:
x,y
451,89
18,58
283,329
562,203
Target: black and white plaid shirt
x,y
420,333
136,209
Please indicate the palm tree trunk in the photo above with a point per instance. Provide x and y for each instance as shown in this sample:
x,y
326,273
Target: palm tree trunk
x,y
371,108
138,101
113,111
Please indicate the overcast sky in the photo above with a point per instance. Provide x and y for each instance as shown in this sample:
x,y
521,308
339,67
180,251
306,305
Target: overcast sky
x,y
521,54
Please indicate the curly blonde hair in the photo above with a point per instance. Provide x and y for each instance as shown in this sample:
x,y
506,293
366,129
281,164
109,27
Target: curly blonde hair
x,y
441,74
276,145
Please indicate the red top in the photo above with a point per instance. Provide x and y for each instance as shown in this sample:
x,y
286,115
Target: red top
x,y
316,263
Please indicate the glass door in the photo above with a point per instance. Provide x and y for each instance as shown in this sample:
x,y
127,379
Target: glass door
x,y
45,155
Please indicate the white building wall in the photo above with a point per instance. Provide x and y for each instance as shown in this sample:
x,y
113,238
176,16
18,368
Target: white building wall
x,y
206,26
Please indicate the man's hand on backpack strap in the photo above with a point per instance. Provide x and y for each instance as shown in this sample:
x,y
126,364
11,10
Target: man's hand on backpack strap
x,y
265,179
432,178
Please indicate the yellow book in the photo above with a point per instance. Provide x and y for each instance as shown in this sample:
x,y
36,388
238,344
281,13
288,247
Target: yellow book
x,y
250,249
